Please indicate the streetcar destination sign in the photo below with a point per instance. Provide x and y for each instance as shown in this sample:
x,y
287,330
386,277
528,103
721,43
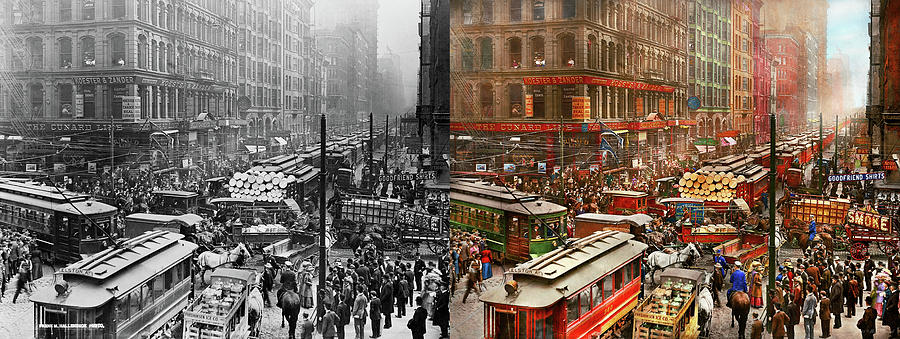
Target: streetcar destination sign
x,y
856,177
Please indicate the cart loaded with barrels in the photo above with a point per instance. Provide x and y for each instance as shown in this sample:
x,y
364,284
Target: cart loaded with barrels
x,y
866,226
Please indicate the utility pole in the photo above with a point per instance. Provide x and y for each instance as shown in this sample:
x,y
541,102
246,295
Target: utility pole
x,y
821,155
772,257
322,260
387,135
371,153
112,153
562,167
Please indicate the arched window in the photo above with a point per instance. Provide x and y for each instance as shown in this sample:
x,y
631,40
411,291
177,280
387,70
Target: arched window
x,y
87,52
486,94
118,8
468,54
537,52
170,17
117,49
87,10
603,53
620,56
162,56
161,11
515,10
611,57
36,48
537,10
568,9
515,53
142,10
592,52
487,11
487,53
170,58
567,50
142,52
65,52
516,108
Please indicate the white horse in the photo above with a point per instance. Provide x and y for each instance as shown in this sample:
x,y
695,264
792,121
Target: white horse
x,y
660,259
255,305
210,260
705,302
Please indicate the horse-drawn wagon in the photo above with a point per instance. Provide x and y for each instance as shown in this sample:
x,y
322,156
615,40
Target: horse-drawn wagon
x,y
866,226
709,234
413,228
222,310
829,214
670,310
747,247
358,216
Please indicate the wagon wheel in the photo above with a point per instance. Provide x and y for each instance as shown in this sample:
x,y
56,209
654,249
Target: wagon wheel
x,y
888,248
438,247
859,251
408,250
840,238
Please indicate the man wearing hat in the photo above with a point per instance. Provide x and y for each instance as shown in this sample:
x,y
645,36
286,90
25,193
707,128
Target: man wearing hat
x,y
738,282
288,281
718,281
268,282
812,230
719,259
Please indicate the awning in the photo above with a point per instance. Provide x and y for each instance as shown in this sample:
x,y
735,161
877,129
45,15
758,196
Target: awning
x,y
166,132
14,137
621,131
255,149
728,141
705,149
278,141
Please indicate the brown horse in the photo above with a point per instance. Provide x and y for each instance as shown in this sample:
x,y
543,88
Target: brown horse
x,y
289,301
740,307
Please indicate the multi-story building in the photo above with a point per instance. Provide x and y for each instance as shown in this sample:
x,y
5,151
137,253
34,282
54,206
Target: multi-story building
x,y
709,68
346,52
299,80
390,91
811,106
433,101
787,59
522,69
762,77
882,100
156,78
742,83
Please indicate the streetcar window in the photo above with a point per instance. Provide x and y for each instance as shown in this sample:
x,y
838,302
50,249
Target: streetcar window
x,y
619,275
607,286
134,302
636,268
147,299
54,316
629,271
585,301
596,292
523,323
506,325
187,268
122,309
168,279
572,309
543,328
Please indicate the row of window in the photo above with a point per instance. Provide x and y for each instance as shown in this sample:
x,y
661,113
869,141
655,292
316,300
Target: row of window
x,y
579,305
606,12
143,297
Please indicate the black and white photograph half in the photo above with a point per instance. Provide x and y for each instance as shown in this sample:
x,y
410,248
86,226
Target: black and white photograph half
x,y
224,169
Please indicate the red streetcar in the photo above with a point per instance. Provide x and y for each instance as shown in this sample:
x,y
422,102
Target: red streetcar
x,y
585,290
626,202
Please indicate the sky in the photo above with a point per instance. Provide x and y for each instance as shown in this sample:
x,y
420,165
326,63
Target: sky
x,y
398,25
848,34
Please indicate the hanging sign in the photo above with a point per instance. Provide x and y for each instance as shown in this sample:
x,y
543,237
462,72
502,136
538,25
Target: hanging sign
x,y
480,167
509,167
542,167
857,177
30,167
529,105
92,167
869,220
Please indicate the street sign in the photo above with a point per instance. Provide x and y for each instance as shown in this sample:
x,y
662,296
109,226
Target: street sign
x,y
542,167
480,167
509,168
427,175
693,102
856,177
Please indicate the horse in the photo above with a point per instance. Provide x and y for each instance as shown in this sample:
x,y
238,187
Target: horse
x,y
255,305
210,260
659,259
740,307
289,301
705,301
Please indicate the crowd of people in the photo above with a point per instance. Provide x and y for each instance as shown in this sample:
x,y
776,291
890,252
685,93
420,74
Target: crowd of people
x,y
20,260
469,258
819,287
370,287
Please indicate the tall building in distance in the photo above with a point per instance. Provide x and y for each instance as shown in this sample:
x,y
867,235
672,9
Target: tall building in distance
x,y
762,76
521,69
433,101
742,70
788,61
709,68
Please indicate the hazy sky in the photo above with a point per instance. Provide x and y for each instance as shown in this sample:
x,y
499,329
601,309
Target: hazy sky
x,y
848,34
398,24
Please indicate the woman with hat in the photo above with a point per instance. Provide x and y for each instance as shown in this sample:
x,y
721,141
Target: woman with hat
x,y
305,284
756,285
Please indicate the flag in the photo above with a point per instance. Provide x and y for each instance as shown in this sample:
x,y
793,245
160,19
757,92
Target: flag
x,y
605,129
605,146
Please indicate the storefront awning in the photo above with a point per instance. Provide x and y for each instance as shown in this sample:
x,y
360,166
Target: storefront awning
x,y
166,132
278,141
728,141
705,149
621,131
255,149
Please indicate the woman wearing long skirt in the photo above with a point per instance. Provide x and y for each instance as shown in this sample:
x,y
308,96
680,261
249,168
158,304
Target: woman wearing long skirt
x,y
305,286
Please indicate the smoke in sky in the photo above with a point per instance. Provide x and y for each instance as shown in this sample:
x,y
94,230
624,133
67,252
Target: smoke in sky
x,y
848,34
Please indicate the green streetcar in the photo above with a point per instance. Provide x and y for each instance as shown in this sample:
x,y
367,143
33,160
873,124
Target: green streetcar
x,y
517,226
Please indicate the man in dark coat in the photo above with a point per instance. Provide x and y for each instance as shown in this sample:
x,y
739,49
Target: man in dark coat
x,y
866,324
387,306
400,290
442,311
417,323
718,282
418,270
375,314
268,282
868,268
837,295
851,294
891,315
410,280
343,312
793,312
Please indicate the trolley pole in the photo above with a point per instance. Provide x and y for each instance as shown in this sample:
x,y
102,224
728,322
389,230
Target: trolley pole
x,y
322,260
772,258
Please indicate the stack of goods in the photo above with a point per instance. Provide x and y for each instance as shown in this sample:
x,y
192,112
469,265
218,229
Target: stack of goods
x,y
720,228
219,298
710,186
656,318
266,228
260,185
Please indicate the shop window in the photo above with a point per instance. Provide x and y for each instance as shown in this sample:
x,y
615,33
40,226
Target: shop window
x,y
516,106
65,100
515,10
37,100
537,10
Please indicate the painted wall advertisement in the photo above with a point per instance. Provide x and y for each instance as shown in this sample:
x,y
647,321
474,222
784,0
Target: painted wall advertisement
x,y
131,107
79,106
529,105
581,108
